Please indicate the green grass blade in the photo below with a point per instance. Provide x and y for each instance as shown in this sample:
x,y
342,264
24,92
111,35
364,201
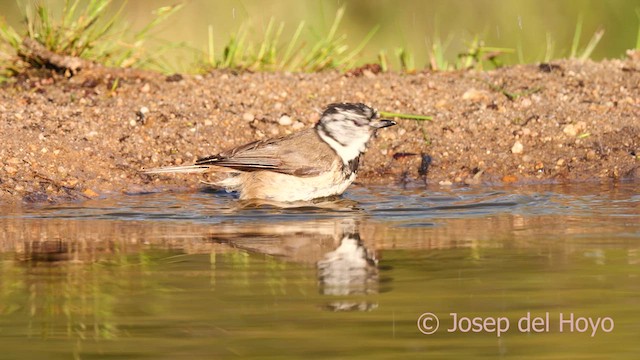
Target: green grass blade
x,y
211,47
638,36
360,46
405,116
548,55
294,39
336,23
593,42
576,37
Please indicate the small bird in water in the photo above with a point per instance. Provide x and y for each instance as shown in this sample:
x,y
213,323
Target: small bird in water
x,y
314,163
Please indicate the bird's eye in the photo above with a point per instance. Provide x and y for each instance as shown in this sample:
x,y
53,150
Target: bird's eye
x,y
360,121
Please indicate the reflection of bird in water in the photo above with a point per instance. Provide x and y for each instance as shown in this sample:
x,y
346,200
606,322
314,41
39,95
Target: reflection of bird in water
x,y
345,266
350,269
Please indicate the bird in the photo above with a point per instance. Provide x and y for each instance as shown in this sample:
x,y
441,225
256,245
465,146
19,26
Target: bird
x,y
319,162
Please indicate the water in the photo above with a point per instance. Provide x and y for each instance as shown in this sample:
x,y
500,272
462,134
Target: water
x,y
198,275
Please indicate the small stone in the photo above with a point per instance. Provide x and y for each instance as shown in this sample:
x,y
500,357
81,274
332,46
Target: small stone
x,y
591,155
90,193
145,88
517,148
71,182
298,126
248,117
10,169
475,95
285,120
570,130
14,160
208,122
509,179
41,137
445,183
560,162
144,110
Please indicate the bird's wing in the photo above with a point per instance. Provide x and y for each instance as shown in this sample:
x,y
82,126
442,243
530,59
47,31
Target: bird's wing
x,y
300,154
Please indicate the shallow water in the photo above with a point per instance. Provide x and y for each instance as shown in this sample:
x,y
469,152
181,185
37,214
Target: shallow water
x,y
197,275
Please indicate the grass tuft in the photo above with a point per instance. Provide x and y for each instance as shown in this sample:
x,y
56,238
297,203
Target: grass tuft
x,y
86,30
94,30
329,51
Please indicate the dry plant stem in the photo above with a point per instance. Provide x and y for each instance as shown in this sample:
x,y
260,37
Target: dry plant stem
x,y
33,52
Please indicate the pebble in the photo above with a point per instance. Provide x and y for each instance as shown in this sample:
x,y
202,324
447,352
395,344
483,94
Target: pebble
x,y
445,183
285,120
574,129
208,122
517,148
144,110
10,169
90,193
570,130
475,95
248,117
509,179
71,182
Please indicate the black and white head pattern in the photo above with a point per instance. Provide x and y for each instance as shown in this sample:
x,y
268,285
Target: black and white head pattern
x,y
347,128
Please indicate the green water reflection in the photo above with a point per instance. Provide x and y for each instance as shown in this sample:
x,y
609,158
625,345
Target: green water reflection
x,y
336,287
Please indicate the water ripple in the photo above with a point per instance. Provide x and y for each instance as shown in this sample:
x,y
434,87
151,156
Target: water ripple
x,y
374,202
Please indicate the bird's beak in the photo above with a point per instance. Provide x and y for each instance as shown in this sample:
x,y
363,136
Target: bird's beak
x,y
382,123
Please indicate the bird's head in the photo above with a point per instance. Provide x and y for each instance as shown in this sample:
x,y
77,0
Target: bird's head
x,y
347,127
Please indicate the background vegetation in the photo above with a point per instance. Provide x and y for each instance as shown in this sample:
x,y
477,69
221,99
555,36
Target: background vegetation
x,y
314,35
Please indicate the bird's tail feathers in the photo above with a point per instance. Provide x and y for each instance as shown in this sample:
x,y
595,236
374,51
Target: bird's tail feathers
x,y
177,169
